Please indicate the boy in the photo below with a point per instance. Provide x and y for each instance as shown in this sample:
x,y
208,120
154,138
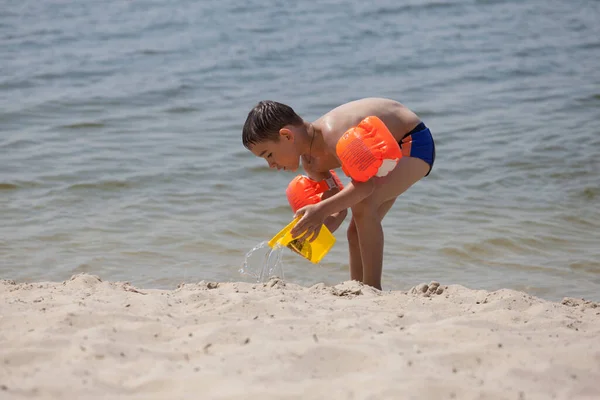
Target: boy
x,y
276,133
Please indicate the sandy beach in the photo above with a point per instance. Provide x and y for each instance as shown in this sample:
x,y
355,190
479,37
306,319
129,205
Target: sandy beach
x,y
86,339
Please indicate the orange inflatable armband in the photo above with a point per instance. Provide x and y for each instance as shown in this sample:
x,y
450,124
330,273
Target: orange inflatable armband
x,y
368,149
303,190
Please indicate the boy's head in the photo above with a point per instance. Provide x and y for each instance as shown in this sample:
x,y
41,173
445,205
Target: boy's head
x,y
271,131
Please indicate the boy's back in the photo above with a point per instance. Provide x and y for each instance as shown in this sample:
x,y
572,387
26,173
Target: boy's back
x,y
394,115
333,124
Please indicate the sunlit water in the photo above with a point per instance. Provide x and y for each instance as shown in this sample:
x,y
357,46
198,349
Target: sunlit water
x,y
121,154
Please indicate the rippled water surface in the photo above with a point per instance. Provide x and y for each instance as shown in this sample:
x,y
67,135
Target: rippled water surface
x,y
121,154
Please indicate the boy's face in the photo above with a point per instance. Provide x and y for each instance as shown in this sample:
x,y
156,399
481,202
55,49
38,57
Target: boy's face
x,y
279,154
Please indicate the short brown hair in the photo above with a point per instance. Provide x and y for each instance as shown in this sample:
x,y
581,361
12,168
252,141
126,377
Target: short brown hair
x,y
265,120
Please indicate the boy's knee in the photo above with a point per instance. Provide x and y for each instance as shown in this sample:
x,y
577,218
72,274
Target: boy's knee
x,y
352,233
364,209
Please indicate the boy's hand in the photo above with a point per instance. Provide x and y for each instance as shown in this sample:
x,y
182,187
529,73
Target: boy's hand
x,y
310,224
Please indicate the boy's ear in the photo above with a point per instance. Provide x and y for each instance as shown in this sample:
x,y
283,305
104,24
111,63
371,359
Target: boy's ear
x,y
285,133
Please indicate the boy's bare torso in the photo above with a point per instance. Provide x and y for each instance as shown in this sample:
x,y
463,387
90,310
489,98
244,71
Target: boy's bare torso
x,y
399,120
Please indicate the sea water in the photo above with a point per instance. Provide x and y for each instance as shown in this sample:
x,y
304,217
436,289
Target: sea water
x,y
114,116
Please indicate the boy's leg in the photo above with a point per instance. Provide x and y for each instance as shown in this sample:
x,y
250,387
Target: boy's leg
x,y
385,207
356,268
356,271
367,216
408,171
370,237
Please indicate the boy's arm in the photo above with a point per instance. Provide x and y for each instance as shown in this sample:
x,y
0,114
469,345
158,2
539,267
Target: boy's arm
x,y
314,215
334,219
353,193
